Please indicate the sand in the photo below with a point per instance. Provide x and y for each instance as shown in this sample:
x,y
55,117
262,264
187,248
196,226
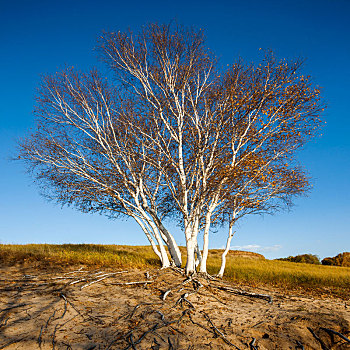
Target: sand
x,y
47,308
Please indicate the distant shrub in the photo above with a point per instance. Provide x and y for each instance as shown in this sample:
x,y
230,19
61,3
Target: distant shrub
x,y
342,259
303,258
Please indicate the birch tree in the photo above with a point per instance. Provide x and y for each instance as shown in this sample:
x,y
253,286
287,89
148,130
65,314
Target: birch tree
x,y
172,136
84,154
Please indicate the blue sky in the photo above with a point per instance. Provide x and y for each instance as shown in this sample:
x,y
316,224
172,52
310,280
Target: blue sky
x,y
42,36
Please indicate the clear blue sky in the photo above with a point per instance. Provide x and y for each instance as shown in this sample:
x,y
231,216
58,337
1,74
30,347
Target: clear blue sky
x,y
42,36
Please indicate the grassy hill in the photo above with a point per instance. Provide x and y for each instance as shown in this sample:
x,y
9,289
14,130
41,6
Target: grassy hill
x,y
244,268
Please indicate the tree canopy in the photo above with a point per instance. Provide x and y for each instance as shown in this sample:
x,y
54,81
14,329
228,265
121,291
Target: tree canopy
x,y
168,134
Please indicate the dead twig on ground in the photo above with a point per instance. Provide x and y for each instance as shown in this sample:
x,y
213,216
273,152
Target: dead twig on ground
x,y
130,283
323,345
72,305
13,307
245,293
299,345
183,299
252,344
101,278
214,331
331,331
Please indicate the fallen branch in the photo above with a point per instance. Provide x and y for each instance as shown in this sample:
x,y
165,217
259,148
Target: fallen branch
x,y
161,315
65,308
170,344
102,277
79,271
130,283
245,293
77,281
54,338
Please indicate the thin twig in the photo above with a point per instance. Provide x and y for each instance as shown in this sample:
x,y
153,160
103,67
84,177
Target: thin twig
x,y
217,331
130,283
214,332
13,307
252,344
40,336
71,304
299,345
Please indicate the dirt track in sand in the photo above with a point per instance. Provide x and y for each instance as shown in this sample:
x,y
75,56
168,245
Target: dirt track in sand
x,y
49,309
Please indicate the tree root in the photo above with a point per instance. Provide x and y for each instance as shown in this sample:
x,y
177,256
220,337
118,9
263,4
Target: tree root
x,y
299,345
183,299
330,331
252,344
323,345
151,322
214,331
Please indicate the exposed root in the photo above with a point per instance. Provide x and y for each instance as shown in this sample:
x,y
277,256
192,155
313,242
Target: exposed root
x,y
217,331
330,331
252,344
183,299
214,331
323,345
299,345
160,321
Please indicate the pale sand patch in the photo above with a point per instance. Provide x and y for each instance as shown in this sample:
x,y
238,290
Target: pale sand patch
x,y
45,309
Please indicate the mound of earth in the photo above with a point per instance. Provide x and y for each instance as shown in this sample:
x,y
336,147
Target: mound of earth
x,y
158,309
238,254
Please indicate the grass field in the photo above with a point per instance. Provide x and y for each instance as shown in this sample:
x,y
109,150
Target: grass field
x,y
287,276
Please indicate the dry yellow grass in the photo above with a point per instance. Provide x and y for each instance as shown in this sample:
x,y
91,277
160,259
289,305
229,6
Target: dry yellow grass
x,y
288,276
87,254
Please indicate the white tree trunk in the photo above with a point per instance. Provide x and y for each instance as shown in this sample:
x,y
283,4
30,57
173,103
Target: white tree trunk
x,y
223,256
150,222
165,259
203,266
198,255
166,236
150,239
191,262
173,248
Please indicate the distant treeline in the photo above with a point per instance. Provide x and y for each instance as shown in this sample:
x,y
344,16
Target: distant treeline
x,y
342,259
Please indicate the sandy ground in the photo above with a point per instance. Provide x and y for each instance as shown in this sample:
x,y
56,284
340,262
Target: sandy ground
x,y
56,309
